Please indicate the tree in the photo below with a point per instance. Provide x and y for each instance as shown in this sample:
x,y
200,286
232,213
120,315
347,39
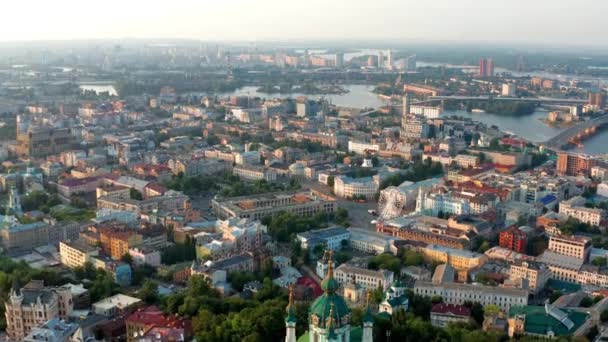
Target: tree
x,y
586,302
127,258
148,292
330,181
483,247
385,261
412,258
135,195
599,261
604,316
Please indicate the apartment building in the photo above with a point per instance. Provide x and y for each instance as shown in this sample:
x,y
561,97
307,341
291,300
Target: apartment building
x,y
116,242
33,305
574,246
461,260
42,141
76,253
254,172
529,275
456,293
369,280
575,207
369,242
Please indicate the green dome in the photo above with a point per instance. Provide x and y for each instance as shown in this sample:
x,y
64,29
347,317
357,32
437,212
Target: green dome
x,y
330,285
326,304
329,304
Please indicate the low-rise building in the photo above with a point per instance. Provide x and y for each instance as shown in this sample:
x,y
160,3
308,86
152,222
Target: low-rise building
x,y
257,207
461,260
151,324
529,275
254,172
54,330
145,256
395,298
444,314
369,242
116,305
575,207
366,278
545,322
332,238
455,293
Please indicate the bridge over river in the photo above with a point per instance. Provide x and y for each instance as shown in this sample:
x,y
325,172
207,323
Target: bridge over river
x,y
565,136
543,100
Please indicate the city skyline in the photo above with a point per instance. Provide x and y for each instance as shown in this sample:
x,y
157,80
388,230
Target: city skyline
x,y
491,22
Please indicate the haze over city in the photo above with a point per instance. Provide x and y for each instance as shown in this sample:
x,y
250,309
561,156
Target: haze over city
x,y
545,22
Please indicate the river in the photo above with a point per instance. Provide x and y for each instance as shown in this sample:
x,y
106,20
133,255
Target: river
x,y
529,127
358,96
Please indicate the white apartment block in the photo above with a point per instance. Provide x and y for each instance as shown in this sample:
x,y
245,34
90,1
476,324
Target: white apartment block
x,y
436,203
251,157
362,147
455,293
369,242
533,276
252,172
599,172
574,246
466,161
367,279
429,112
77,253
575,207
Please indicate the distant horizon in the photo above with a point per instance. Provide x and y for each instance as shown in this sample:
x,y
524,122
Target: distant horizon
x,y
540,23
329,43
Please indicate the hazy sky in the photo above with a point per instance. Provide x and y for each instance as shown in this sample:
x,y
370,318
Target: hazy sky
x,y
552,22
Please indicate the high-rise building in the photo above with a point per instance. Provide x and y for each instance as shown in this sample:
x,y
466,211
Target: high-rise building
x,y
380,59
371,61
571,164
410,63
486,67
389,59
521,63
339,60
597,99
508,89
42,141
405,112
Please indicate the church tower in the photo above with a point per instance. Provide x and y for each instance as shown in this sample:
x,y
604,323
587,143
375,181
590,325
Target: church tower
x,y
368,322
14,203
290,319
329,316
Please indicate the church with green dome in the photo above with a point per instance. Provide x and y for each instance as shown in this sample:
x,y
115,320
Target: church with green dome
x,y
329,317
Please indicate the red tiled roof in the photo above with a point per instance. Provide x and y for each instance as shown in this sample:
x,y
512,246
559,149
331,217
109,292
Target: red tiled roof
x,y
153,316
457,310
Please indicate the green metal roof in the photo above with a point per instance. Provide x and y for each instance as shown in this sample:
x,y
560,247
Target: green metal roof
x,y
322,306
539,322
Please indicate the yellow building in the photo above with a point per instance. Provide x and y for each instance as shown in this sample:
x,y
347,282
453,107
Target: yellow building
x,y
461,260
76,253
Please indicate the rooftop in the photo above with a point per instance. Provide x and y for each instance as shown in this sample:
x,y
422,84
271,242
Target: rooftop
x,y
451,309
